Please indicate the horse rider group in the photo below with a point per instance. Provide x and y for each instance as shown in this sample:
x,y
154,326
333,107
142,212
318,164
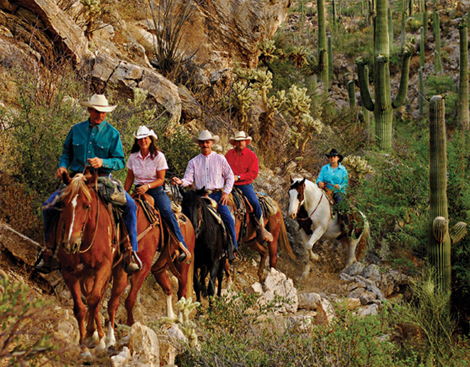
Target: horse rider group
x,y
96,143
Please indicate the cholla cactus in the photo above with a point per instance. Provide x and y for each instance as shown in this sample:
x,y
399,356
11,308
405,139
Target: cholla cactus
x,y
91,9
140,95
299,56
268,51
357,166
188,327
242,98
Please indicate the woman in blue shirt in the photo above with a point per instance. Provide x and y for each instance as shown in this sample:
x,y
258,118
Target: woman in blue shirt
x,y
334,176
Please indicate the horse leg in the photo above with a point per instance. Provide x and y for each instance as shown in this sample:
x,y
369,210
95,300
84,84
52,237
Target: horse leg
x,y
119,284
350,245
255,245
227,274
212,276
93,302
164,281
79,309
220,278
197,286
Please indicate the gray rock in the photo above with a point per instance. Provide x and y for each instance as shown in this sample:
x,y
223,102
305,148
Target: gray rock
x,y
354,269
309,301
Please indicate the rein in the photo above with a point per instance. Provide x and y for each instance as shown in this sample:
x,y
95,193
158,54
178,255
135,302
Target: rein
x,y
318,204
96,227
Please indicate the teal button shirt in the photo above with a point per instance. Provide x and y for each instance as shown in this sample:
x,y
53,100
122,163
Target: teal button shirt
x,y
334,176
83,142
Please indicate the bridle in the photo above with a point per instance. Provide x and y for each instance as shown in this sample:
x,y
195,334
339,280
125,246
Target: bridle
x,y
301,196
88,209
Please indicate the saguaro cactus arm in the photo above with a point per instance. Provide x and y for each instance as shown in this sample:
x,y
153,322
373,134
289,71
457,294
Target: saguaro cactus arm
x,y
405,72
364,86
381,98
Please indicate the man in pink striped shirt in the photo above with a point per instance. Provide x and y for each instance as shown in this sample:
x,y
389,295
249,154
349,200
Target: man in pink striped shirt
x,y
211,171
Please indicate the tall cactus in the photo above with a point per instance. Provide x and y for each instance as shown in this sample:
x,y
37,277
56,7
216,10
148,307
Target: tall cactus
x,y
383,106
330,62
463,78
365,111
436,30
352,93
403,33
438,239
390,28
322,42
421,91
421,48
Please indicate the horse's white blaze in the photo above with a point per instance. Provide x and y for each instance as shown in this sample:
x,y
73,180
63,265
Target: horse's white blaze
x,y
293,204
74,205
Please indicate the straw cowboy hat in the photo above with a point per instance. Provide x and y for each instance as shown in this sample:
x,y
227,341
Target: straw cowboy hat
x,y
206,135
98,102
144,132
240,135
334,153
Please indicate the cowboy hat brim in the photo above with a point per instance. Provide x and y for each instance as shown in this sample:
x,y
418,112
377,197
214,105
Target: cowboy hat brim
x,y
234,140
98,108
214,138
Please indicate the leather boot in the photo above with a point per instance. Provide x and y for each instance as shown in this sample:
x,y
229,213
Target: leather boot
x,y
262,233
47,262
132,263
184,253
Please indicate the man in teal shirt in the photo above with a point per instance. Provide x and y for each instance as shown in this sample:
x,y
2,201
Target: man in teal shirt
x,y
96,143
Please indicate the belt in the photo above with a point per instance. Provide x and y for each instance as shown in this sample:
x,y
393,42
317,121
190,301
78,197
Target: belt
x,y
209,192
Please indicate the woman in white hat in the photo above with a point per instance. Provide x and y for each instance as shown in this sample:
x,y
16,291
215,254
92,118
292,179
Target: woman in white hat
x,y
146,169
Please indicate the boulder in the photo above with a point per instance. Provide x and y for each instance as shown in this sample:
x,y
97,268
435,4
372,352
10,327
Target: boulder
x,y
277,284
309,301
60,25
143,344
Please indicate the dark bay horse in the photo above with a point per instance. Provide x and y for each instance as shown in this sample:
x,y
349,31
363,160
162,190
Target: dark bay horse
x,y
209,253
274,224
155,260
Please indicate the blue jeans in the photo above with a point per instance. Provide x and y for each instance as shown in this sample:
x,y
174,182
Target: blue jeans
x,y
224,212
129,215
163,203
249,192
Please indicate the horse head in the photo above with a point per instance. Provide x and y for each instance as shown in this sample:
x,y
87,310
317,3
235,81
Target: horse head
x,y
78,200
296,196
192,208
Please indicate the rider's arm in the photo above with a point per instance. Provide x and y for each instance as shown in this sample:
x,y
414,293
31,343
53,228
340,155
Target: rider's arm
x,y
321,176
67,151
129,180
345,179
252,171
115,160
227,174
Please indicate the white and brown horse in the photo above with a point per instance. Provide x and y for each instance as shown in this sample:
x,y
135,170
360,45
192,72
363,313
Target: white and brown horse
x,y
317,220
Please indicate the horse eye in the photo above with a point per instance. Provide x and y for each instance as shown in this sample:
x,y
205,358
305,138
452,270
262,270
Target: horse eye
x,y
87,207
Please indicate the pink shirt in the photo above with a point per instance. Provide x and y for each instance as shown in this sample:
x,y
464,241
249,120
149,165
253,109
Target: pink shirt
x,y
245,165
145,169
212,172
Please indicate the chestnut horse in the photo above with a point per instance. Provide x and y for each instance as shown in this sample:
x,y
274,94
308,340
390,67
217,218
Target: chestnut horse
x,y
89,257
155,260
274,224
87,254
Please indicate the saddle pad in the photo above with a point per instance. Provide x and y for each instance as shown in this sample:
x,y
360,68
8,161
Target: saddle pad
x,y
268,205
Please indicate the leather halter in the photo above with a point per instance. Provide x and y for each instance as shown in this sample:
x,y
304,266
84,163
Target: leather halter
x,y
96,227
300,205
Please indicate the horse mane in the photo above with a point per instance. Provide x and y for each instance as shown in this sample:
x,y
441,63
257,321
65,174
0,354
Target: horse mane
x,y
77,185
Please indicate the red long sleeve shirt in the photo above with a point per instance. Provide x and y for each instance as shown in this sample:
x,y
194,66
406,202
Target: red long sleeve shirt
x,y
245,165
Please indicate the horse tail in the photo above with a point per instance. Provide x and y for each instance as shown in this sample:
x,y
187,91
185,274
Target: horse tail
x,y
363,242
283,239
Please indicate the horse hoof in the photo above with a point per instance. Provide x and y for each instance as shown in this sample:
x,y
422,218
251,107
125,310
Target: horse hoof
x,y
100,349
85,355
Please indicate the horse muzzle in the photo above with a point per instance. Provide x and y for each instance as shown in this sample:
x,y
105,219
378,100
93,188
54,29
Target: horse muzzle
x,y
292,215
72,247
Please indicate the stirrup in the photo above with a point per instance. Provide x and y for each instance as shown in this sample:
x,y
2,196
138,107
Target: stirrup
x,y
46,267
237,257
133,266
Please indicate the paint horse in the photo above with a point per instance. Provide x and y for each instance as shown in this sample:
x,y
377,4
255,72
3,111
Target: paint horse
x,y
317,220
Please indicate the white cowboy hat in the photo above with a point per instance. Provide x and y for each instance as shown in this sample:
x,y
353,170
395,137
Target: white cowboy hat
x,y
206,135
98,102
240,135
143,132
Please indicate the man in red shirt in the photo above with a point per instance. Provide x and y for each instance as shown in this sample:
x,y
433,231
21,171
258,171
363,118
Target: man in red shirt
x,y
244,164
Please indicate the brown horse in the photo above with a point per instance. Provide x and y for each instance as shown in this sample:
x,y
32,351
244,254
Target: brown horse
x,y
89,256
86,254
274,224
155,260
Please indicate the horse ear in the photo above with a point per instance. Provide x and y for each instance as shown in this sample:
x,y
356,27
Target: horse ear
x,y
66,178
291,179
92,180
302,182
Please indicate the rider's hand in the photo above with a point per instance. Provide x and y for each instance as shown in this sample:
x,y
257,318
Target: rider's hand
x,y
336,186
176,181
142,189
60,171
321,185
223,200
95,162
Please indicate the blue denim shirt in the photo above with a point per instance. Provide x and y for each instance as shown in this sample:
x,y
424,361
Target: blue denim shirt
x,y
83,142
336,176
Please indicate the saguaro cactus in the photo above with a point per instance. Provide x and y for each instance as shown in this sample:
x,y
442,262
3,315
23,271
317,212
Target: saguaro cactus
x,y
421,91
437,40
330,62
438,239
322,42
383,106
463,78
352,93
421,48
390,28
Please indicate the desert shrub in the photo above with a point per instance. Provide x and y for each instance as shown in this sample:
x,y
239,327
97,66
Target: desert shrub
x,y
24,340
237,332
443,84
